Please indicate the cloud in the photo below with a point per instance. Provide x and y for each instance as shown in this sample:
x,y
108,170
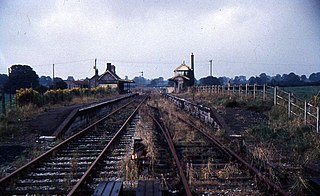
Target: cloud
x,y
156,36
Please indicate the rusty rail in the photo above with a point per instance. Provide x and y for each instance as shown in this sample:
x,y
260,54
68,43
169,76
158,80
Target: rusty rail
x,y
86,175
175,156
47,154
252,169
78,112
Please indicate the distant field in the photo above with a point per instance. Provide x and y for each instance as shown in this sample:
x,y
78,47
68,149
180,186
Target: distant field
x,y
303,92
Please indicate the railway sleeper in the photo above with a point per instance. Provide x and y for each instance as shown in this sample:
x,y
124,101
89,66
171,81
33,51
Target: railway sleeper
x,y
53,175
57,169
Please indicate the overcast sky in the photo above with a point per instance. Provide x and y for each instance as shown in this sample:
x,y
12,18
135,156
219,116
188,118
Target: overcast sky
x,y
153,36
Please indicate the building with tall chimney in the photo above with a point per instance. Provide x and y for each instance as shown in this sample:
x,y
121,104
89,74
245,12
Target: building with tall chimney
x,y
183,76
110,79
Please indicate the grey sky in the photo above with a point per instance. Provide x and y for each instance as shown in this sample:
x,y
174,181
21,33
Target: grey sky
x,y
242,37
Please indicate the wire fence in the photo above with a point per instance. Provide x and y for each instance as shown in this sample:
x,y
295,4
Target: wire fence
x,y
296,108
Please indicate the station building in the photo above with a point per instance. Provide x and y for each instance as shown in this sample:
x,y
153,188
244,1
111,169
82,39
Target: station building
x,y
110,79
183,76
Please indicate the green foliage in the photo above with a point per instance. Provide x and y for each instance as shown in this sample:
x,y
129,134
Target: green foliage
x,y
21,76
291,134
28,96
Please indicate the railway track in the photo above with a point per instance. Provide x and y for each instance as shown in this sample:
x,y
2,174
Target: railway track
x,y
63,169
208,166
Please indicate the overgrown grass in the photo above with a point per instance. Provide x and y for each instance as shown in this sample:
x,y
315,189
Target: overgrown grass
x,y
290,135
281,138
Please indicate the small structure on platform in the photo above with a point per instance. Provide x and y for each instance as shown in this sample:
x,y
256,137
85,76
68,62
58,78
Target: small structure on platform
x,y
183,76
110,79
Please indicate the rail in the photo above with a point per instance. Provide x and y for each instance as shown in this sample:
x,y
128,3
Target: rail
x,y
77,187
297,108
29,166
174,153
83,111
181,102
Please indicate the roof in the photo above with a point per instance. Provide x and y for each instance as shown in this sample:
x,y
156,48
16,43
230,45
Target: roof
x,y
182,76
115,76
183,67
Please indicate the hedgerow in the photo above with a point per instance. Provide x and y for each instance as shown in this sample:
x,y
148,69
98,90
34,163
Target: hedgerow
x,y
30,96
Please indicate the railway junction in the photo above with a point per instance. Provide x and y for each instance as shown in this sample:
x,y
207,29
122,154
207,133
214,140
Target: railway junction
x,y
151,144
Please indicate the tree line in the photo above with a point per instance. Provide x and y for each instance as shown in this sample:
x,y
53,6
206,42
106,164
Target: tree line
x,y
23,76
290,79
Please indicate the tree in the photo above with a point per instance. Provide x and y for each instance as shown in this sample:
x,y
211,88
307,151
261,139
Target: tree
x,y
252,80
3,79
21,76
314,77
304,78
59,83
264,78
210,80
292,80
45,81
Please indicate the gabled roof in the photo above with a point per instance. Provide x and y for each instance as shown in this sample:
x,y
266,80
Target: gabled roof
x,y
115,76
183,67
179,76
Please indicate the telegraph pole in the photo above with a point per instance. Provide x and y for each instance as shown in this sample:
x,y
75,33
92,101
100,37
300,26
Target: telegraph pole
x,y
53,76
95,72
210,67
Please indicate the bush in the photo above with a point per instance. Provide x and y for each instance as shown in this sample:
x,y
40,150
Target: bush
x,y
28,96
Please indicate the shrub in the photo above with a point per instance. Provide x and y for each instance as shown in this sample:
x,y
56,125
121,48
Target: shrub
x,y
28,96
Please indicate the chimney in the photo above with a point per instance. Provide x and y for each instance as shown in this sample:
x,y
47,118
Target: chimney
x,y
109,66
192,61
113,69
192,70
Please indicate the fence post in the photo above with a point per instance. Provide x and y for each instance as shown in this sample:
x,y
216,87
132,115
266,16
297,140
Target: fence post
x,y
254,91
305,112
228,89
246,90
289,105
318,119
232,89
275,96
240,90
264,92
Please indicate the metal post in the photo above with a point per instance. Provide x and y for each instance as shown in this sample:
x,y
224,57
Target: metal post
x,y
318,119
289,105
305,112
264,92
254,91
275,96
233,89
211,68
246,90
228,88
240,90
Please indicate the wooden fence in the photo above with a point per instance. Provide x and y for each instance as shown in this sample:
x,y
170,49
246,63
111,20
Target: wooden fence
x,y
296,107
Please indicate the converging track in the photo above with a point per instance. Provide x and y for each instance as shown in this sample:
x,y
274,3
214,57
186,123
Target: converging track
x,y
207,166
64,169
